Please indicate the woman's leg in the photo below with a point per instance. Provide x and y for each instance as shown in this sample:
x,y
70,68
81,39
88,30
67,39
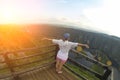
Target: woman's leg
x,y
60,66
57,64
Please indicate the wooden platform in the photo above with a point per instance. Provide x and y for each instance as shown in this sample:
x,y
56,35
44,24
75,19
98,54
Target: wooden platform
x,y
48,74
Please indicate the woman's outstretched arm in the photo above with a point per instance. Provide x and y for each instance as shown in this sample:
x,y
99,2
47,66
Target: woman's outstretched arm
x,y
47,39
85,45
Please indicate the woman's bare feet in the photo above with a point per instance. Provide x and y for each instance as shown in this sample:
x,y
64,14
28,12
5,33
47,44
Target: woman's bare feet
x,y
60,72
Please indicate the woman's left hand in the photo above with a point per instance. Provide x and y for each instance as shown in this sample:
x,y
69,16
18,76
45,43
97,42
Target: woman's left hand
x,y
86,46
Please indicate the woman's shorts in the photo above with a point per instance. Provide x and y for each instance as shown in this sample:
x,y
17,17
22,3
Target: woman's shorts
x,y
63,61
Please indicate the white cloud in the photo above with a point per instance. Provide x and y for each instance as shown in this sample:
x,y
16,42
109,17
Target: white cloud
x,y
106,17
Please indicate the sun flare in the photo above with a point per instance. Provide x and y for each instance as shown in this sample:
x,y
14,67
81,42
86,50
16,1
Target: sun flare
x,y
8,16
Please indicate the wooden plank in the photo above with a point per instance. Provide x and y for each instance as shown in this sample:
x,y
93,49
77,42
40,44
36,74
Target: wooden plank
x,y
55,74
47,74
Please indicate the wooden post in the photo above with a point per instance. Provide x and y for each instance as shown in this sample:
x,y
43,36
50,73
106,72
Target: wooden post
x,y
7,61
106,74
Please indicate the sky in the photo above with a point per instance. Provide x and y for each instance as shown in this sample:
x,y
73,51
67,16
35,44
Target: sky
x,y
99,15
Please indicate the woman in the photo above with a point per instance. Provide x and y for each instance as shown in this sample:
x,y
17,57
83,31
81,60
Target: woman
x,y
64,47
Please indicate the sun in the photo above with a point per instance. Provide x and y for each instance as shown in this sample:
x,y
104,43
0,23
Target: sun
x,y
7,16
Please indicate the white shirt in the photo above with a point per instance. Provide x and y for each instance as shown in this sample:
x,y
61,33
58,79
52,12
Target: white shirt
x,y
64,47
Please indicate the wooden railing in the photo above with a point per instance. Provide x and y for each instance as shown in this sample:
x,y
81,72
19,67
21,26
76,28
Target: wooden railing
x,y
11,66
104,76
10,63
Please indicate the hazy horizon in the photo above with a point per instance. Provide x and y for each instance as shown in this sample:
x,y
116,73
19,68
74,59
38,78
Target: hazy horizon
x,y
98,15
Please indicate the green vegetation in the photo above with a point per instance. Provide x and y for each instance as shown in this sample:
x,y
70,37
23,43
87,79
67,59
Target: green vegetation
x,y
97,69
82,72
101,56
